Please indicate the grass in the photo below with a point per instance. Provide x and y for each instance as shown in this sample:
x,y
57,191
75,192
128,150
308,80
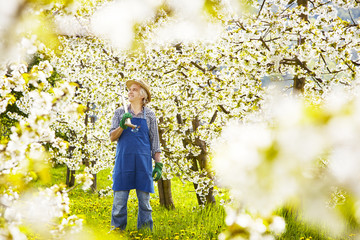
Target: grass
x,y
186,221
298,229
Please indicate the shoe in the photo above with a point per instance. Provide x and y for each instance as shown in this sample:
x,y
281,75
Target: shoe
x,y
115,230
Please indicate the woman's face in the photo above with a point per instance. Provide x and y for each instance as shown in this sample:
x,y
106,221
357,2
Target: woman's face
x,y
134,93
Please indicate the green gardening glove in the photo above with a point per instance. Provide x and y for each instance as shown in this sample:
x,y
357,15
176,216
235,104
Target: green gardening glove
x,y
157,171
122,121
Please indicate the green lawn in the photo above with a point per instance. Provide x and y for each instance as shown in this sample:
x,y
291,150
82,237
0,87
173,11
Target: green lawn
x,y
186,221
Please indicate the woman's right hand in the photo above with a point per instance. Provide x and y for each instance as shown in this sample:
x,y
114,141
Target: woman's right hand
x,y
123,120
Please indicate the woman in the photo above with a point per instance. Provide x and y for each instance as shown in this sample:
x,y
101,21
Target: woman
x,y
134,150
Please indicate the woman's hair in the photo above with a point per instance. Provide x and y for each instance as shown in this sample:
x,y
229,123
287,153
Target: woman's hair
x,y
144,94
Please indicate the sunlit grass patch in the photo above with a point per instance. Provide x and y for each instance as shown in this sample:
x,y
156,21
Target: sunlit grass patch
x,y
186,221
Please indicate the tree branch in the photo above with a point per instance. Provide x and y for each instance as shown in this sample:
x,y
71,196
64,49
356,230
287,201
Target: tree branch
x,y
262,5
264,43
296,61
322,57
198,66
170,71
183,74
220,80
352,19
355,63
305,67
100,139
320,5
271,39
348,66
223,109
213,117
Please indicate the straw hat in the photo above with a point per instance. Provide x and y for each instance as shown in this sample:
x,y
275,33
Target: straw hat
x,y
143,83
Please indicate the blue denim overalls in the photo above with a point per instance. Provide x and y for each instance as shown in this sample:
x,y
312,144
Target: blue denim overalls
x,y
133,164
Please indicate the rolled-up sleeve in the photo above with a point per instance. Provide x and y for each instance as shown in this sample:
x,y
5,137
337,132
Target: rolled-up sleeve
x,y
116,119
154,134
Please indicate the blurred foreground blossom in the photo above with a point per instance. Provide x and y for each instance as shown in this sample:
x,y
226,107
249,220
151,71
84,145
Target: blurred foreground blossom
x,y
243,225
7,11
85,179
185,21
187,31
187,25
295,149
71,26
115,20
25,154
40,209
45,212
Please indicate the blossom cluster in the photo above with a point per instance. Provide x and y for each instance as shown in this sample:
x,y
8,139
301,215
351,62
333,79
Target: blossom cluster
x,y
24,155
247,225
90,62
295,149
197,87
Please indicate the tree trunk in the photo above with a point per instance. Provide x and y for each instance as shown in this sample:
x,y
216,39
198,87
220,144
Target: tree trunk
x,y
209,198
299,82
164,186
303,3
70,174
70,177
86,153
202,160
199,162
94,184
195,168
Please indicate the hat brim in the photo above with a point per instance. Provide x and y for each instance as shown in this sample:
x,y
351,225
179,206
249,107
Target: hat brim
x,y
131,82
